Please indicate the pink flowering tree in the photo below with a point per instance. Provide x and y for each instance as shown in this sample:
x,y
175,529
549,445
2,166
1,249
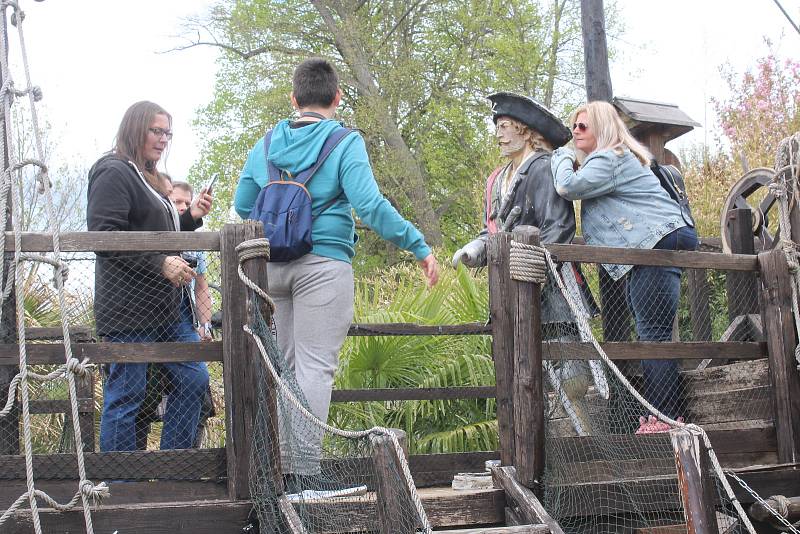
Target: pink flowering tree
x,y
764,107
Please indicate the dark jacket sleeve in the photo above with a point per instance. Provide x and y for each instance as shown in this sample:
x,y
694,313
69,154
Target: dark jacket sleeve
x,y
188,223
110,200
552,214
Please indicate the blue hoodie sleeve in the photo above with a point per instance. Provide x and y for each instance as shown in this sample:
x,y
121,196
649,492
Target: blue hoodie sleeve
x,y
371,206
248,189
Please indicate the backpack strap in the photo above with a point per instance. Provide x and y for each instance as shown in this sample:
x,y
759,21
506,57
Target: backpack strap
x,y
331,142
273,172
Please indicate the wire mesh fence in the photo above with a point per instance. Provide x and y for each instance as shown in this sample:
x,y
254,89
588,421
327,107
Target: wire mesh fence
x,y
610,465
131,404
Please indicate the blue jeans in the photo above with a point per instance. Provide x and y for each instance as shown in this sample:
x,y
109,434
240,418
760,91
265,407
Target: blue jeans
x,y
125,387
653,294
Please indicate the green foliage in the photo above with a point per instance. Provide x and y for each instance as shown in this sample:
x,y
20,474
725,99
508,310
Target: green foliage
x,y
430,64
421,361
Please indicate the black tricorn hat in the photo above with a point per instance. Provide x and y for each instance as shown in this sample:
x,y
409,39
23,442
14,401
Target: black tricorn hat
x,y
531,113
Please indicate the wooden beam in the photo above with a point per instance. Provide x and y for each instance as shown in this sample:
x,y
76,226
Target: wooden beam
x,y
393,503
741,287
595,51
669,258
445,508
527,504
53,353
240,356
176,464
778,323
699,304
696,486
408,329
519,529
118,241
528,388
502,319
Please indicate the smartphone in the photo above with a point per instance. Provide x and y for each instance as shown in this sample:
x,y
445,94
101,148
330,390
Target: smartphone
x,y
210,184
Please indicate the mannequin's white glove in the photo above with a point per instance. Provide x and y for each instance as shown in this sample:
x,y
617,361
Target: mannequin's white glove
x,y
473,254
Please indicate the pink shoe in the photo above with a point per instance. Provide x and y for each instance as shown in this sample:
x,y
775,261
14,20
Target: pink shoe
x,y
651,425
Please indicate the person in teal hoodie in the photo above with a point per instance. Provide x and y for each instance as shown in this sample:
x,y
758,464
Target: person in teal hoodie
x,y
314,293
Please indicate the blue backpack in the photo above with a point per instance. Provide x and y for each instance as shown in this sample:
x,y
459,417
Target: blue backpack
x,y
284,204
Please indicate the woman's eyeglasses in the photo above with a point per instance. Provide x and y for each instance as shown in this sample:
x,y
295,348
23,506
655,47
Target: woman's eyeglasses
x,y
161,132
581,127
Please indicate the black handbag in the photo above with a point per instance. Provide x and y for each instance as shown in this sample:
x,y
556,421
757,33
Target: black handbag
x,y
672,182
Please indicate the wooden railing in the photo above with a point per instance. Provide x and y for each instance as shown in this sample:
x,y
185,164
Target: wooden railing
x,y
239,355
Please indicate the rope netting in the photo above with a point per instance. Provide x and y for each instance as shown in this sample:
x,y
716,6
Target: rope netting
x,y
337,480
87,492
610,465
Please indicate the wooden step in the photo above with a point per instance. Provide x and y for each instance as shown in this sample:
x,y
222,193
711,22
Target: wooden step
x,y
520,529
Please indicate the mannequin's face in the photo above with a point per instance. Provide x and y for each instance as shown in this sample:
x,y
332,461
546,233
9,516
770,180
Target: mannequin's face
x,y
510,136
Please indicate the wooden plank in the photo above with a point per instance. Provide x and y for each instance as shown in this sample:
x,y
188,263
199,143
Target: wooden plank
x,y
502,320
526,501
741,287
384,394
240,357
118,241
84,389
438,469
60,406
290,516
410,329
696,486
778,323
177,464
53,353
699,307
519,529
634,350
528,387
393,503
129,492
669,258
76,333
445,508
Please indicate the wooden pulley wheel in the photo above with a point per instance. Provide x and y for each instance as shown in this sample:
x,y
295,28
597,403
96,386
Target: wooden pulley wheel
x,y
740,197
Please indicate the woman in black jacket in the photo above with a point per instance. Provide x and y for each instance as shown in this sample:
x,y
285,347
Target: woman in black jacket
x,y
137,295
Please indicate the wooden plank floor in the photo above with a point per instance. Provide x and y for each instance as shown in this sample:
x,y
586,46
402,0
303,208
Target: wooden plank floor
x,y
445,508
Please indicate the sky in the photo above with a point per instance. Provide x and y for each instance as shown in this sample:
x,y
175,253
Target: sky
x,y
93,58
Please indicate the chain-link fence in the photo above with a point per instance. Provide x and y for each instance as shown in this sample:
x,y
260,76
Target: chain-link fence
x,y
136,398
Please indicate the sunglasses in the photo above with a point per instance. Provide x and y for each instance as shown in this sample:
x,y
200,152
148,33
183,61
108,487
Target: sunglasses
x,y
581,127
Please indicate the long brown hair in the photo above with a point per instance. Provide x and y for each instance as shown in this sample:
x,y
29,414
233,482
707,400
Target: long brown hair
x,y
132,136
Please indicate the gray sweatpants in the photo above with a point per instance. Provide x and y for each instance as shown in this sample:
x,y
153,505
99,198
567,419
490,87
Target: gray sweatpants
x,y
314,308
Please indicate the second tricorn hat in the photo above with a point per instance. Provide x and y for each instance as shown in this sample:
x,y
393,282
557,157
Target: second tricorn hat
x,y
531,113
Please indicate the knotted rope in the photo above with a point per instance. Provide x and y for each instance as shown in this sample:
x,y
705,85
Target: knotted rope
x,y
527,263
87,492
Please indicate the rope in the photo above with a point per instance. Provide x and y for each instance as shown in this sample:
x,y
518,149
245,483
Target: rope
x,y
781,501
585,330
88,492
259,248
527,263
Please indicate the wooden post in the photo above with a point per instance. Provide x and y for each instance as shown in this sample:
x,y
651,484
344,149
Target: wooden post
x,y
502,320
595,51
527,390
84,387
695,485
778,323
239,355
393,502
700,310
527,504
742,287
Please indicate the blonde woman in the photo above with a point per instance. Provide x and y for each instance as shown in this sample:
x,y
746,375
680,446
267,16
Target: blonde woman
x,y
623,205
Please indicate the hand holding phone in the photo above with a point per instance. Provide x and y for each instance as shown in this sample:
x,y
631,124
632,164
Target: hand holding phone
x,y
210,184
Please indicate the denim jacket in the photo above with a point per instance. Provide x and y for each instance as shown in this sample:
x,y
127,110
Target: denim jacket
x,y
623,204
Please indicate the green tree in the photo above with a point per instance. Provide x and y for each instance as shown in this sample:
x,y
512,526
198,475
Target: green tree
x,y
414,76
